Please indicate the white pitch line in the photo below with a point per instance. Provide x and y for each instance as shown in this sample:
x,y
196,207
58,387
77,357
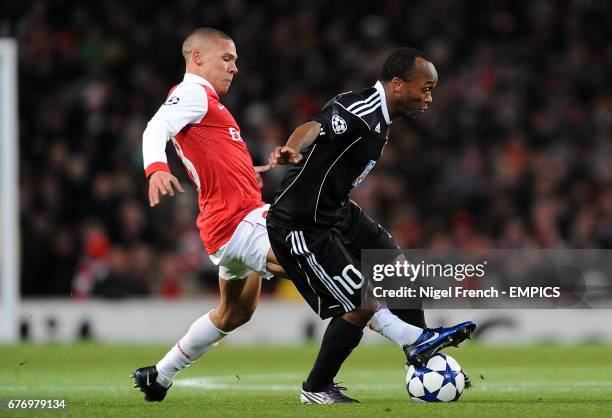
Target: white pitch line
x,y
541,386
212,385
255,376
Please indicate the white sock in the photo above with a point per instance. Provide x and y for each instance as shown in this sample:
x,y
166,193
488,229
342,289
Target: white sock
x,y
200,338
393,328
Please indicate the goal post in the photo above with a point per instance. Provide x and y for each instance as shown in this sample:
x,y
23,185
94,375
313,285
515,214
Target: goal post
x,y
9,195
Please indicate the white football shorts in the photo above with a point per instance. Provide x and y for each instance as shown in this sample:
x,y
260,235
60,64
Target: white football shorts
x,y
247,249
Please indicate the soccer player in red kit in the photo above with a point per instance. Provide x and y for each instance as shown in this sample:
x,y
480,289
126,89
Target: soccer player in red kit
x,y
232,220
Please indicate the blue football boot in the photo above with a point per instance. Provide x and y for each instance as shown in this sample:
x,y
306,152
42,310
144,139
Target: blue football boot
x,y
433,340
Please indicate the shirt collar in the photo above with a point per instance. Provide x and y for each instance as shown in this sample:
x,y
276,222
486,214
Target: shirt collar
x,y
383,105
197,79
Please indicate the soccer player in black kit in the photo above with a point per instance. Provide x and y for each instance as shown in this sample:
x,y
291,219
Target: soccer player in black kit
x,y
317,232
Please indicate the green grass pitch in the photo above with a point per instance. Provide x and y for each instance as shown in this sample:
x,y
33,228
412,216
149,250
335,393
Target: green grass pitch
x,y
539,381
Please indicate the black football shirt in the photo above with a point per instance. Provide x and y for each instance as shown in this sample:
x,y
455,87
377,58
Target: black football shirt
x,y
354,131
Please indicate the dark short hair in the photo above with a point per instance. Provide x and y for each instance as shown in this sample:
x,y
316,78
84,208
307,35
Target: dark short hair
x,y
401,63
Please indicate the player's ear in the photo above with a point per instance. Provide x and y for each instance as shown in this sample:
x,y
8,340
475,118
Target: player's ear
x,y
396,84
197,57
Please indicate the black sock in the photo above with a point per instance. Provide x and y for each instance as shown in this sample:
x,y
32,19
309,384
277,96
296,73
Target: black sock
x,y
414,317
340,338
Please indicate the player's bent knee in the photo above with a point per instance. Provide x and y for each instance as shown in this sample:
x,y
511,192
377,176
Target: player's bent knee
x,y
233,317
358,317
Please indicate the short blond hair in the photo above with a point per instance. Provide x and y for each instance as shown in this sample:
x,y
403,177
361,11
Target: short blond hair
x,y
201,38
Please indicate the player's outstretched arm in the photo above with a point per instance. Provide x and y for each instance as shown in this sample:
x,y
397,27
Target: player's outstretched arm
x,y
303,137
164,183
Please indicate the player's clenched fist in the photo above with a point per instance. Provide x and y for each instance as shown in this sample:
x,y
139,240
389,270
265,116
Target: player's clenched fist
x,y
164,183
284,155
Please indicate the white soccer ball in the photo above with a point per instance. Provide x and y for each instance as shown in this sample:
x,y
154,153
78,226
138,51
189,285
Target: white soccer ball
x,y
440,380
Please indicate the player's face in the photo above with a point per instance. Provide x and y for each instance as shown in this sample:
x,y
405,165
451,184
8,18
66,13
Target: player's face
x,y
413,97
219,65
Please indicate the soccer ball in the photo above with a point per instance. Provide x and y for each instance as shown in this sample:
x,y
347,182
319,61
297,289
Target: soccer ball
x,y
440,380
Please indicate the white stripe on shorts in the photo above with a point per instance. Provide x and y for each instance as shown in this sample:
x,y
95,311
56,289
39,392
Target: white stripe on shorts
x,y
327,281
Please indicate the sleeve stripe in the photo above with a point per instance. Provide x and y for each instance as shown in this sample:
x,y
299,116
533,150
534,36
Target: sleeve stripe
x,y
360,102
365,112
360,110
366,123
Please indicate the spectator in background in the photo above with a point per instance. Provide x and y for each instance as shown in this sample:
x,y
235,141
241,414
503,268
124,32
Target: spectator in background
x,y
94,266
120,281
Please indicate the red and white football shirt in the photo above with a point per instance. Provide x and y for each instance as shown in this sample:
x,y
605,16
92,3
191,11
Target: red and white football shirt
x,y
207,139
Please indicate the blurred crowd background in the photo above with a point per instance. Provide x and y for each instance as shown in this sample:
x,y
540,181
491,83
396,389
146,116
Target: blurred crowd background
x,y
515,151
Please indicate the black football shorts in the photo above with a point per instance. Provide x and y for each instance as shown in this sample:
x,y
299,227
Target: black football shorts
x,y
324,263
